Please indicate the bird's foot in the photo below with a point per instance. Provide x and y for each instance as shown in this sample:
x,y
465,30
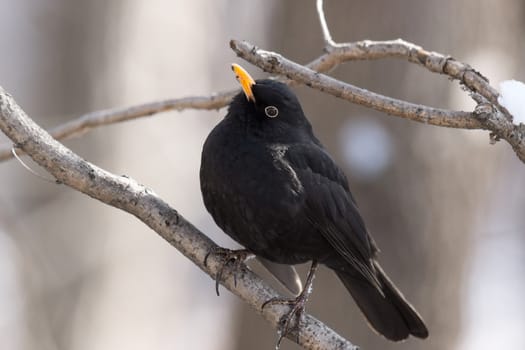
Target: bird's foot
x,y
228,256
292,319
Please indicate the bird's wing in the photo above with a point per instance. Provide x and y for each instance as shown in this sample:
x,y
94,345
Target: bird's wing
x,y
329,206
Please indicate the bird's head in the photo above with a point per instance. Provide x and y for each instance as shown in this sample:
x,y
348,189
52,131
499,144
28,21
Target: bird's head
x,y
266,103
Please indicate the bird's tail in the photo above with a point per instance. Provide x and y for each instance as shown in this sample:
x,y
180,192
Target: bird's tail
x,y
389,313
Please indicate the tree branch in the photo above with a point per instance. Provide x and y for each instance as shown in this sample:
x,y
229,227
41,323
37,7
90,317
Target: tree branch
x,y
488,115
96,119
275,63
328,42
433,61
126,194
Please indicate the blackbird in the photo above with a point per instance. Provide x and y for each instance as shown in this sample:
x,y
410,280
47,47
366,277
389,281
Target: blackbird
x,y
270,184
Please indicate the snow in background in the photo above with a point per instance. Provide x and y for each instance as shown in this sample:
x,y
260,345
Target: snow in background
x,y
512,97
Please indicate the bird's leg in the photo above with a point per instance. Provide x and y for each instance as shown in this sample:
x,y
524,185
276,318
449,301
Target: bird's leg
x,y
237,257
297,306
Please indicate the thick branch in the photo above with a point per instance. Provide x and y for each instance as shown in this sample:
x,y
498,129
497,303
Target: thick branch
x,y
126,194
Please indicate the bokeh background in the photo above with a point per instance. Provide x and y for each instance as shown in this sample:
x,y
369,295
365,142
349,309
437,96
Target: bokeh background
x,y
445,207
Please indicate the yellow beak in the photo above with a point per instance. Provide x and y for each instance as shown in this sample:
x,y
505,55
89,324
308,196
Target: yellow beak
x,y
245,80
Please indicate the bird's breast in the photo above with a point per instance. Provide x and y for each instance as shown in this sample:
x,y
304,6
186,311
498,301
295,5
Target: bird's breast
x,y
257,172
256,196
246,180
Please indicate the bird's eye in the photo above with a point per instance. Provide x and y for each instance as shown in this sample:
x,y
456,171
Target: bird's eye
x,y
271,111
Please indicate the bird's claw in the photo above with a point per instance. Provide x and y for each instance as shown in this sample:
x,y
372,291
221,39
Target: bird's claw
x,y
292,319
237,257
297,307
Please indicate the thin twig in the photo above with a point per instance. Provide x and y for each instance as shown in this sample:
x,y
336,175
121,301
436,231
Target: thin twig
x,y
96,119
126,194
328,42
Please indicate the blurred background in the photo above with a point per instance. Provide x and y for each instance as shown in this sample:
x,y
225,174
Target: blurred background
x,y
445,207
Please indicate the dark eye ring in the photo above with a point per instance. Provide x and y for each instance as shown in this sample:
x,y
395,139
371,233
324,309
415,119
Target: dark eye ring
x,y
271,111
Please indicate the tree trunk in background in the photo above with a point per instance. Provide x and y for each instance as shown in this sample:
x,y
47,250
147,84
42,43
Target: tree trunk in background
x,y
52,53
422,207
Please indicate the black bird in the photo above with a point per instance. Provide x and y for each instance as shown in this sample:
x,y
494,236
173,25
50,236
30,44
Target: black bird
x,y
270,185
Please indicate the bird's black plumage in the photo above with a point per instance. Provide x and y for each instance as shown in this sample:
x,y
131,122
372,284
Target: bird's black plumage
x,y
269,184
